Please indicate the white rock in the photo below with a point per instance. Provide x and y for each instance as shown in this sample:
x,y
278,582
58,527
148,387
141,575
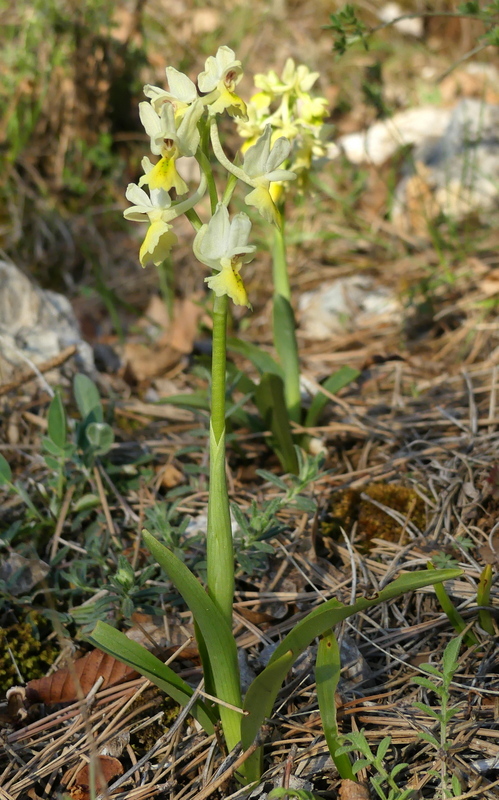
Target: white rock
x,y
35,325
383,138
350,303
409,27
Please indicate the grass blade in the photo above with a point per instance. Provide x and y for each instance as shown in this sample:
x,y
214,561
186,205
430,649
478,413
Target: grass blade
x,y
453,615
284,325
259,358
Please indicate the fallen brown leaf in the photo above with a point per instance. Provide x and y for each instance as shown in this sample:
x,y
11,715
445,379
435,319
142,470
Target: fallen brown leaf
x,y
106,769
60,686
352,790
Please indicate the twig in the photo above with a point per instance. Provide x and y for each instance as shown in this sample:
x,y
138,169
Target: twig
x,y
45,366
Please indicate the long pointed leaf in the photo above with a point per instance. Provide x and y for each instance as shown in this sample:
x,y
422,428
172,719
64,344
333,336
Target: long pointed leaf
x,y
217,636
327,675
284,325
315,624
116,644
333,384
258,705
258,357
269,397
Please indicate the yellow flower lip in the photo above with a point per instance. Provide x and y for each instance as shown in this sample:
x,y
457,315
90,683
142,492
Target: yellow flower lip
x,y
164,176
222,244
229,282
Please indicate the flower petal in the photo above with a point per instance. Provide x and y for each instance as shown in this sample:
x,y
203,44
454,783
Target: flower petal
x,y
149,119
256,157
237,241
280,175
137,196
164,176
214,242
261,199
280,151
181,86
157,244
188,133
229,282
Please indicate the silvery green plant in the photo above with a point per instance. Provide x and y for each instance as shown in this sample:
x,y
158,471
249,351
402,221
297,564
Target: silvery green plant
x,y
383,781
181,122
440,684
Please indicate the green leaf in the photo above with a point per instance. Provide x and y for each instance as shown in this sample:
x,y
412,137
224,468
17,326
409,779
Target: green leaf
x,y
432,670
101,437
217,636
483,599
456,786
23,494
333,384
424,682
5,471
87,398
259,702
196,400
428,737
50,447
383,748
56,419
315,624
453,615
259,358
269,397
327,675
427,710
450,657
284,325
86,502
116,644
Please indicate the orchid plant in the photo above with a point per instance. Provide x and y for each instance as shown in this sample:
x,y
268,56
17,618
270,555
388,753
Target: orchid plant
x,y
181,123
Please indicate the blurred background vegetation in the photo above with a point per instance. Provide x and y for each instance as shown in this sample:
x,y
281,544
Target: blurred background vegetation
x,y
71,76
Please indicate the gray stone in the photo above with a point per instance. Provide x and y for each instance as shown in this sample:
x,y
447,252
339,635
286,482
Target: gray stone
x,y
35,324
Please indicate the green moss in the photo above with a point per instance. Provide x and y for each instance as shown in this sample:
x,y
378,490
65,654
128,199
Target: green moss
x,y
347,507
21,652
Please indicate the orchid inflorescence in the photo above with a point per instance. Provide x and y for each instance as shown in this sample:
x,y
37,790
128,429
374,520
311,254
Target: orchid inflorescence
x,y
290,134
288,107
175,121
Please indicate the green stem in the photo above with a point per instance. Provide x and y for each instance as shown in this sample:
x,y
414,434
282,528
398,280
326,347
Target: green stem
x,y
219,545
279,262
284,325
204,163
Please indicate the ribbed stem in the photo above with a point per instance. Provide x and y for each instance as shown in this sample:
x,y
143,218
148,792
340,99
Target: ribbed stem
x,y
219,545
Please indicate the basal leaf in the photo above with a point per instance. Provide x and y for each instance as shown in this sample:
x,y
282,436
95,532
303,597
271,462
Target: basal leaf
x,y
116,644
327,675
260,359
56,421
217,636
333,384
269,397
